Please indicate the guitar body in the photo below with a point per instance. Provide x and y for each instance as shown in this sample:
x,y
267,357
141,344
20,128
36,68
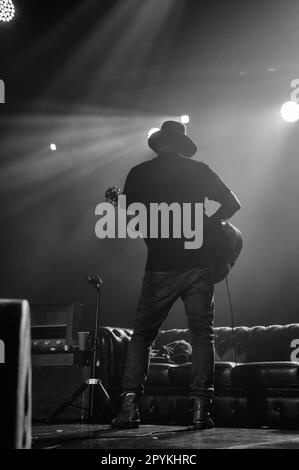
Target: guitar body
x,y
224,242
225,246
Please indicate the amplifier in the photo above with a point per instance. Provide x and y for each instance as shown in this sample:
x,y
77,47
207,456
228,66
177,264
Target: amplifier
x,y
63,359
54,327
45,345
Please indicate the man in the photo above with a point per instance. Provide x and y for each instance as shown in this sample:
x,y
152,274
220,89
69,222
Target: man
x,y
172,271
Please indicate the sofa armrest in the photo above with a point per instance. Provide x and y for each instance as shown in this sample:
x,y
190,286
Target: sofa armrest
x,y
113,346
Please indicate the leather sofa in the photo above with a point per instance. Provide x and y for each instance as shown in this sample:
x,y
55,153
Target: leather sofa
x,y
260,389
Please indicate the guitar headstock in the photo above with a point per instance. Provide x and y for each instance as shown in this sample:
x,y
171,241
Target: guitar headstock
x,y
112,194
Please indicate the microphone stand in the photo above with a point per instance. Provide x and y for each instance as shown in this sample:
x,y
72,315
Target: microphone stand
x,y
92,382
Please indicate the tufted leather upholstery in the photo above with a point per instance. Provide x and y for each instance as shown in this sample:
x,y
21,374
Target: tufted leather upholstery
x,y
261,389
269,374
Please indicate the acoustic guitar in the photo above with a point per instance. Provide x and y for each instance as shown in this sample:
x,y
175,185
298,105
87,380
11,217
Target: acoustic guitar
x,y
224,243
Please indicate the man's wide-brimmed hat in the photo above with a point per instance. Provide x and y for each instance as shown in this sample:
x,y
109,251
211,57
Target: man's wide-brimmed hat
x,y
173,137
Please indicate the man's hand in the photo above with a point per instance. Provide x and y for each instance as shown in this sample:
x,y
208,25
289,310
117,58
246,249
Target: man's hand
x,y
227,209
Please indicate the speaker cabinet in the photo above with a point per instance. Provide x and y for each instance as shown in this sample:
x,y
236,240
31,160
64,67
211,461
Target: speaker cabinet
x,y
15,374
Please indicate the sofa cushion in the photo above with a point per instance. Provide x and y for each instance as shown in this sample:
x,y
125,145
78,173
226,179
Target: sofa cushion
x,y
180,376
224,374
268,374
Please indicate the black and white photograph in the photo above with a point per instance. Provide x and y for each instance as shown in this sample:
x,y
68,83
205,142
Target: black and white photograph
x,y
149,227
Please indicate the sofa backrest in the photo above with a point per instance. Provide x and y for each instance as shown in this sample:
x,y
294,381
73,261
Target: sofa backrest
x,y
254,344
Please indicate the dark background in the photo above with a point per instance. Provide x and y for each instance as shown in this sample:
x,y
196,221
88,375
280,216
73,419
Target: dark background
x,y
94,77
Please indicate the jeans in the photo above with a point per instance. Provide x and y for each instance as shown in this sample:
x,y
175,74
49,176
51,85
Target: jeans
x,y
159,292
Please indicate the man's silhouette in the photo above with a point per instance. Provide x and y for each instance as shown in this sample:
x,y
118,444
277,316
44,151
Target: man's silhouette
x,y
172,271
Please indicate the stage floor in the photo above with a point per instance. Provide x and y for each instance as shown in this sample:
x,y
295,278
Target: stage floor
x,y
81,436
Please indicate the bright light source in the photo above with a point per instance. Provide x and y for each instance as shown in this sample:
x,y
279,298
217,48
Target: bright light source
x,y
7,10
152,131
290,111
184,119
53,147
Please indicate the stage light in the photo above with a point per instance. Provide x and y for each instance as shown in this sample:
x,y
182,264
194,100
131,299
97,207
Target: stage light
x,y
7,10
290,111
152,131
184,119
53,147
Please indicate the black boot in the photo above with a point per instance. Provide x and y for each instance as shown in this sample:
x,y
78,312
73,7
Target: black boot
x,y
128,417
201,414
